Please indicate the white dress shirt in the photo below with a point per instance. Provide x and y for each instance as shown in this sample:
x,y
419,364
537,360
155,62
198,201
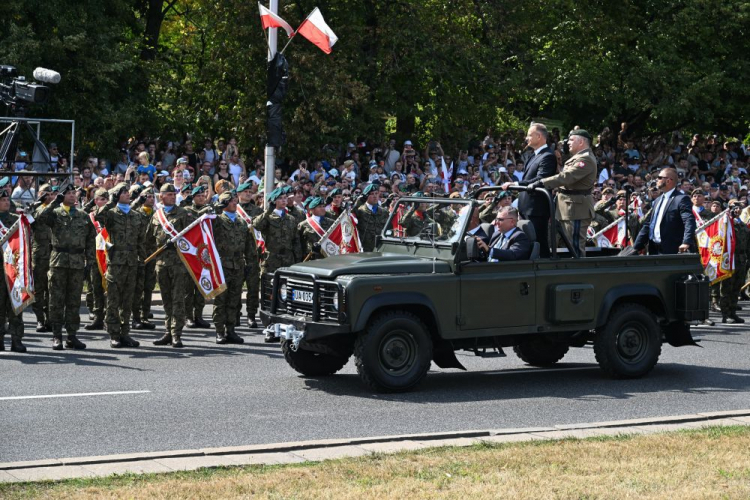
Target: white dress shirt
x,y
662,207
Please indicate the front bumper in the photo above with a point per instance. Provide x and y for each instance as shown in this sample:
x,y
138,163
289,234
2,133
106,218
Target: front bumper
x,y
312,329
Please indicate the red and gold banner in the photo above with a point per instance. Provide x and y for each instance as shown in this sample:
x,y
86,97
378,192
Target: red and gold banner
x,y
17,262
716,241
102,244
342,237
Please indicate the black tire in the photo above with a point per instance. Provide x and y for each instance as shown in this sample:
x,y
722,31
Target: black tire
x,y
394,353
629,345
541,352
312,364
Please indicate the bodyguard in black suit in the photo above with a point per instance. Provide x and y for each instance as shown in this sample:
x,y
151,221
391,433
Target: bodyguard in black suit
x,y
507,242
671,226
540,165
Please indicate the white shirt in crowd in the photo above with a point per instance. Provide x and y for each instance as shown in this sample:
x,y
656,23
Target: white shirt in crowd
x,y
235,170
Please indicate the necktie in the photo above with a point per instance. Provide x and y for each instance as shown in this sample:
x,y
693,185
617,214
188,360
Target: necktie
x,y
655,217
374,210
499,244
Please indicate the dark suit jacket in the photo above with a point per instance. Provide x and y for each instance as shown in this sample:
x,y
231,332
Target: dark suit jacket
x,y
537,168
517,247
677,225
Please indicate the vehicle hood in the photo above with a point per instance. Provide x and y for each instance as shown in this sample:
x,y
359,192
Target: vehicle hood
x,y
370,263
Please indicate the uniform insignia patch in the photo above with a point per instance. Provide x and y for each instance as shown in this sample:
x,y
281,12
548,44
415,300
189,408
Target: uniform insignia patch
x,y
580,164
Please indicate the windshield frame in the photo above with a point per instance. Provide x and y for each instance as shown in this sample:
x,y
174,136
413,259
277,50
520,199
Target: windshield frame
x,y
416,240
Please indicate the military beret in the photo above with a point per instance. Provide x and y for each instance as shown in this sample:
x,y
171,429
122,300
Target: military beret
x,y
622,193
68,188
135,190
314,202
186,187
274,195
697,191
103,193
198,190
334,192
167,188
4,181
306,202
286,189
608,191
580,132
502,195
244,186
368,189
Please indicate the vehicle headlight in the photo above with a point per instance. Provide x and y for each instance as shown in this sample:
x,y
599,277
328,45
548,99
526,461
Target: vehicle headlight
x,y
282,291
335,299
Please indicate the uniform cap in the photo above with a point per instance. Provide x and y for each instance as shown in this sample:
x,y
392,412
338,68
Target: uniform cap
x,y
167,188
580,132
622,193
314,202
334,192
68,188
367,190
286,189
697,191
198,190
135,190
244,186
103,193
186,187
275,195
225,198
4,181
608,191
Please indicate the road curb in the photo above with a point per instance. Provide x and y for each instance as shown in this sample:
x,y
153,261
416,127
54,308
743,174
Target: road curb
x,y
302,451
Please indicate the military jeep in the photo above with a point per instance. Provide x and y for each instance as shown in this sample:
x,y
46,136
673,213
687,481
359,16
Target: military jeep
x,y
420,298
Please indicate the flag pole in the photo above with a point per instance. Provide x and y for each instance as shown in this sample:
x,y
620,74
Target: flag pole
x,y
295,31
593,236
705,225
273,38
287,43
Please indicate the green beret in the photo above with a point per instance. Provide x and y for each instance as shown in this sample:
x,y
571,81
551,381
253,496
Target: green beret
x,y
286,189
198,190
334,192
367,190
418,194
135,190
502,195
103,193
314,202
115,190
306,202
275,195
167,188
4,181
581,132
186,187
55,189
45,188
244,186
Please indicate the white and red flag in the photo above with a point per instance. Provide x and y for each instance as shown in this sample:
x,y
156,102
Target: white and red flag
x,y
102,245
315,29
445,175
716,242
398,229
342,237
259,241
611,236
271,20
19,277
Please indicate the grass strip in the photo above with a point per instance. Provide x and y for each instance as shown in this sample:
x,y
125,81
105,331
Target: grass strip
x,y
713,462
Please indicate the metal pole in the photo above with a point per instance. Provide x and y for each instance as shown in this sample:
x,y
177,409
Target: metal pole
x,y
273,37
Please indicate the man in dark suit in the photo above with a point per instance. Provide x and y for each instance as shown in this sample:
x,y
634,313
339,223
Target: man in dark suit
x,y
539,165
670,228
507,242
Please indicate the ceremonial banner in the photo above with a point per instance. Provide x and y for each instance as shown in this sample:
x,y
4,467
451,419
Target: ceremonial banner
x,y
445,175
398,229
259,241
102,245
17,262
342,237
612,236
716,241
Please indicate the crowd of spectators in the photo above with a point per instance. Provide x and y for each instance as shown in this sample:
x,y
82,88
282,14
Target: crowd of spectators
x,y
717,166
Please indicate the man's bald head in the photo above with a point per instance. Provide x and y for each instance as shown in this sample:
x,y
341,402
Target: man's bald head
x,y
667,180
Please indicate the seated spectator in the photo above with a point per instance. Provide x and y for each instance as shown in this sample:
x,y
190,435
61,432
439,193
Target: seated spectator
x,y
508,242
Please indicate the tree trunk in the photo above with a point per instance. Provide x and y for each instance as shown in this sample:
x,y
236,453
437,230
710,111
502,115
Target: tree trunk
x,y
154,18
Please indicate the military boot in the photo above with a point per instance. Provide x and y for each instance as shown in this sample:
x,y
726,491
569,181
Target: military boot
x,y
2,343
176,341
736,319
73,343
57,338
232,336
165,339
16,345
191,323
98,324
221,337
128,341
201,323
41,325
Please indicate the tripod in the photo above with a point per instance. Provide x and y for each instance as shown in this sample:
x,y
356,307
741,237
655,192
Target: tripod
x,y
9,146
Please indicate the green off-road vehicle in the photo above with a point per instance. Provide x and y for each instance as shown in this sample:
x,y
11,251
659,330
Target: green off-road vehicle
x,y
420,298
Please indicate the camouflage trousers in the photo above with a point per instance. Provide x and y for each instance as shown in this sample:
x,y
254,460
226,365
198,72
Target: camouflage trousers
x,y
227,305
145,282
172,281
275,261
65,287
120,288
41,290
15,322
729,289
252,279
194,300
96,299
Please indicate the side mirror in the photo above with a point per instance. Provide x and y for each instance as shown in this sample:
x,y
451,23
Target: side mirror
x,y
472,250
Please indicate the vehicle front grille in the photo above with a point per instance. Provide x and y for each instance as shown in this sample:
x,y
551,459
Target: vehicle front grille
x,y
324,294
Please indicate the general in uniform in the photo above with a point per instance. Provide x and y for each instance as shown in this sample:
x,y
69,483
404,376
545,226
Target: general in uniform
x,y
196,206
15,322
72,246
371,217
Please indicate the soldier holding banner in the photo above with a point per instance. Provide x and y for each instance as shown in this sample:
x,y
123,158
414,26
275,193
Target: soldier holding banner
x,y
15,321
145,281
729,288
195,204
371,217
313,228
166,223
40,252
126,234
96,290
248,210
279,232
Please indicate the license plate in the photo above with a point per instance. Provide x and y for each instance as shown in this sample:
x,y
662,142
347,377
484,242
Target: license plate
x,y
302,296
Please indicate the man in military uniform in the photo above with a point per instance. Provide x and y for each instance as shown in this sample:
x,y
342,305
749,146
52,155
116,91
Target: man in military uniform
x,y
145,280
279,231
702,213
166,223
294,203
15,321
41,249
126,233
236,248
335,202
371,218
417,219
575,205
72,246
729,289
494,203
612,211
195,204
313,228
7,186
252,266
96,298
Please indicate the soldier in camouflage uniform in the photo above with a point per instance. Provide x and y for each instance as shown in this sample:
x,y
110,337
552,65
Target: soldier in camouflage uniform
x,y
7,186
236,248
371,218
96,297
278,229
126,234
335,203
170,271
15,322
729,289
72,246
309,236
610,212
252,267
698,198
145,281
41,248
195,204
493,204
417,219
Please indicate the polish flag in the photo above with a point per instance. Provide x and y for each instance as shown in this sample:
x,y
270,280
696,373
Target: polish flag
x,y
315,29
271,20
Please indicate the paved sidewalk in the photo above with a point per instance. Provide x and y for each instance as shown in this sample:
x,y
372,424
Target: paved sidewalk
x,y
314,451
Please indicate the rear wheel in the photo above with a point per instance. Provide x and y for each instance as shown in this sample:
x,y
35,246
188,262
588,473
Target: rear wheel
x,y
394,354
541,352
312,364
629,345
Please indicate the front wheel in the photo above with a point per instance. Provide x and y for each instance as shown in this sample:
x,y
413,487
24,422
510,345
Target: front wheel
x,y
629,345
394,353
312,364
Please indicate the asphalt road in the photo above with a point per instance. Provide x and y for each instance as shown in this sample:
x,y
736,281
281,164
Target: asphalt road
x,y
208,395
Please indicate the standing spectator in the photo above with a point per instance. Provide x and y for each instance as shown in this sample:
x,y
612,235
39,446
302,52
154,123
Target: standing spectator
x,y
189,153
222,173
146,166
24,193
390,156
236,169
168,157
208,153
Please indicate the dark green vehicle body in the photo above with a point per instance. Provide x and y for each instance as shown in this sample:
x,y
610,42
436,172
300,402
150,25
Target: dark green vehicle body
x,y
480,305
